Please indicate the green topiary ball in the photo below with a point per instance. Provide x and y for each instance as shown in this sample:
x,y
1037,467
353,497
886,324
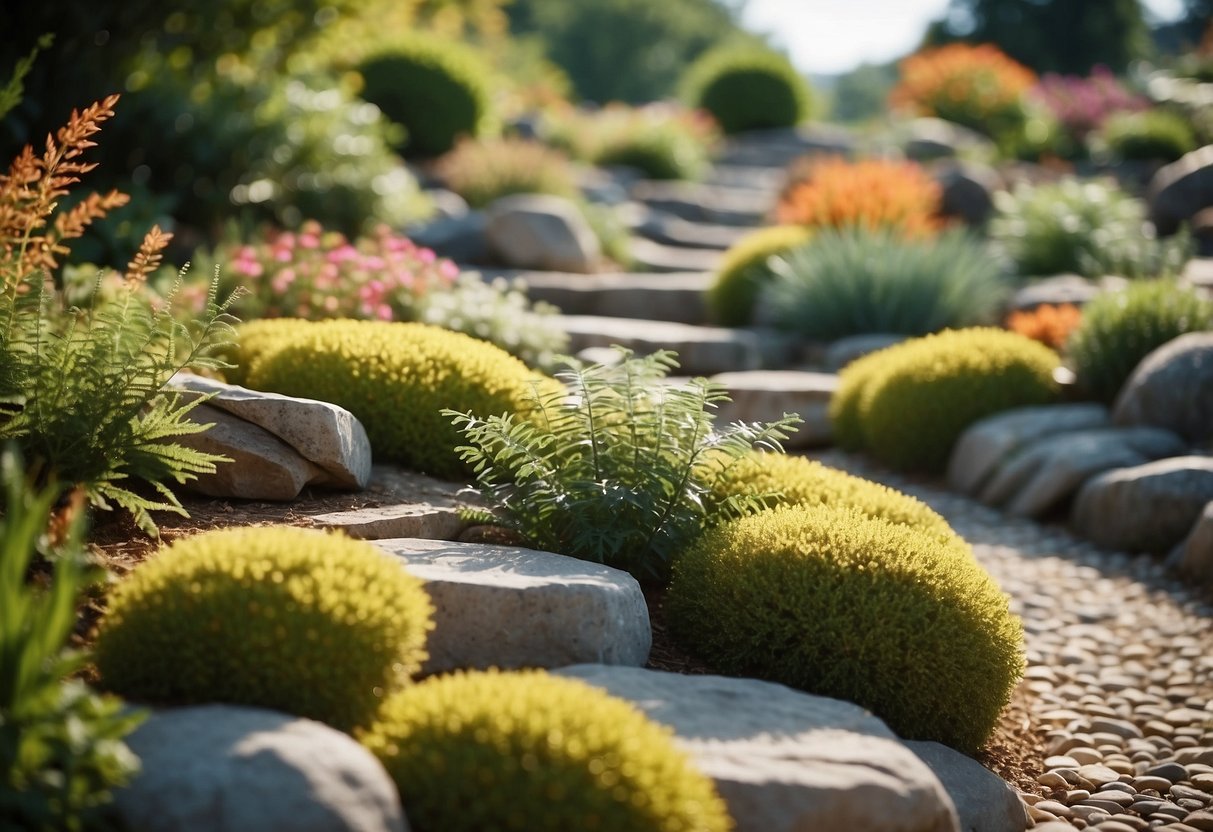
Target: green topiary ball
x,y
836,603
437,89
395,377
487,751
1151,135
748,88
1119,329
745,268
923,393
301,621
806,482
844,404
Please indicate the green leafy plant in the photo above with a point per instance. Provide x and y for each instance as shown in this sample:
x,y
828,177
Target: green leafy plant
x,y
747,88
618,468
528,750
746,268
858,280
486,170
1119,329
1160,135
61,749
263,616
829,600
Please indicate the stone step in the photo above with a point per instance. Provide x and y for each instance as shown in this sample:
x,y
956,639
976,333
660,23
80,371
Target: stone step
x,y
704,203
769,180
765,395
648,256
702,350
769,148
509,607
673,296
670,230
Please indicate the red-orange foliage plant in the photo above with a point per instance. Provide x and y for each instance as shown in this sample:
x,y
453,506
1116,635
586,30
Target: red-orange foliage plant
x,y
874,193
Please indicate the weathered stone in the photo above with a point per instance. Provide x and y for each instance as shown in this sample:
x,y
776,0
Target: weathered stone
x,y
1148,507
1055,291
766,395
842,352
501,606
1043,473
697,202
1181,189
967,191
326,435
263,467
420,520
780,146
674,231
986,443
1193,558
676,297
539,231
983,800
785,760
1172,388
462,237
251,770
649,256
928,139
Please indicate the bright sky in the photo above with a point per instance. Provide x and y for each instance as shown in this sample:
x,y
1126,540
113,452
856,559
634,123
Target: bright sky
x,y
832,36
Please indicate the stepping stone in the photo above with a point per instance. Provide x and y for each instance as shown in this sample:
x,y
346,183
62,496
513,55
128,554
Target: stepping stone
x,y
704,203
670,230
767,179
509,607
702,350
781,146
402,520
648,256
785,760
674,297
765,395
253,770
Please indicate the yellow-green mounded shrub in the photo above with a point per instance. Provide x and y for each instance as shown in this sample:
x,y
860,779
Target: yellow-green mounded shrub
x,y
806,482
923,393
745,269
298,620
395,377
844,404
840,604
527,751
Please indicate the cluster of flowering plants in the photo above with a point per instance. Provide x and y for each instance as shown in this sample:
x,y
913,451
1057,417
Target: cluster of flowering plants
x,y
1082,105
1050,324
874,193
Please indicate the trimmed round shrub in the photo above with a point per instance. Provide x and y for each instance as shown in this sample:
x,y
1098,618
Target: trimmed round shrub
x,y
748,88
923,393
297,620
529,751
437,89
840,604
1150,135
395,377
806,482
844,404
745,269
1119,329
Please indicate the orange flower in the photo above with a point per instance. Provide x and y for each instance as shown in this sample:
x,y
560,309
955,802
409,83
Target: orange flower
x,y
962,83
1050,324
873,193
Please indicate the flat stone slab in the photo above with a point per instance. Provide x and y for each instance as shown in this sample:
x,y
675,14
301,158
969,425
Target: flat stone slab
x,y
420,520
648,256
766,395
704,203
671,230
780,146
673,296
509,607
783,760
767,179
702,350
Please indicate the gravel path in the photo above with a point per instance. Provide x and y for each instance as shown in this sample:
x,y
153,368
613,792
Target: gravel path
x,y
1120,670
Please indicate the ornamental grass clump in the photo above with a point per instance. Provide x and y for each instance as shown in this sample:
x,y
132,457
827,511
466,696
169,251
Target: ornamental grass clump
x,y
485,170
297,620
837,603
525,750
857,280
617,468
746,268
873,193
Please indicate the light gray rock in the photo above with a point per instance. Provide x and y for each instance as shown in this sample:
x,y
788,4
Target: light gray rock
x,y
420,520
766,395
1193,558
1043,473
238,769
326,435
783,760
780,146
1146,508
1063,289
983,800
461,237
501,606
539,231
1181,189
986,443
675,297
1172,388
649,256
263,467
697,202
842,352
927,139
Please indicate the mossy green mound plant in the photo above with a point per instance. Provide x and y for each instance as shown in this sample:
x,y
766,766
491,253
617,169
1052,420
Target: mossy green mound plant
x,y
306,622
395,377
438,90
486,751
747,88
914,399
746,268
1119,329
844,404
841,604
1152,135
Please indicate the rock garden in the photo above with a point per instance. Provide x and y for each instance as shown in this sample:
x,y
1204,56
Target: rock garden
x,y
505,463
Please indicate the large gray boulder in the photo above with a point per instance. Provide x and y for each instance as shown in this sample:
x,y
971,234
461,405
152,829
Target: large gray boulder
x,y
786,761
1181,190
1172,388
967,191
1193,558
984,801
539,231
988,442
1146,508
508,607
238,769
